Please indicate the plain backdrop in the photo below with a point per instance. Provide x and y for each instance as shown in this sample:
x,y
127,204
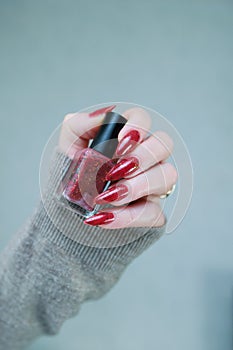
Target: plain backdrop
x,y
173,56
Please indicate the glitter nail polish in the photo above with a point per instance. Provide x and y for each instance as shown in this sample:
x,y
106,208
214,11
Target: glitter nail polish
x,y
114,193
101,218
102,111
124,167
128,142
86,176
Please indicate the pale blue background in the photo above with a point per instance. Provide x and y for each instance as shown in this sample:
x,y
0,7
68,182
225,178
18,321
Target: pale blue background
x,y
173,56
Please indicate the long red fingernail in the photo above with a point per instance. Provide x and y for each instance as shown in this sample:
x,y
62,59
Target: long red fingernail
x,y
102,111
125,167
101,218
114,193
128,143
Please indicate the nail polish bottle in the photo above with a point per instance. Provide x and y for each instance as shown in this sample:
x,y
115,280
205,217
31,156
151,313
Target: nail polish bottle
x,y
85,177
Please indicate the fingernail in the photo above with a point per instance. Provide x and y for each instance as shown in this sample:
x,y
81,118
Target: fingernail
x,y
102,111
125,167
114,193
101,218
128,143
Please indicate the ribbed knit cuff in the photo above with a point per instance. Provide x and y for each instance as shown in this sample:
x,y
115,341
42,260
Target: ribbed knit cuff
x,y
96,247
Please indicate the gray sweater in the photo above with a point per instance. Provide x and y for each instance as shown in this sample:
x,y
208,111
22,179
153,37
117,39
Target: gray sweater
x,y
55,263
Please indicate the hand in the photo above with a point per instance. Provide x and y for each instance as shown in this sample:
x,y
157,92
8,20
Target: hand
x,y
141,175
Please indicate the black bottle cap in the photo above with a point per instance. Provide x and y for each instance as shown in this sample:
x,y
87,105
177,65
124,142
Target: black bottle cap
x,y
106,140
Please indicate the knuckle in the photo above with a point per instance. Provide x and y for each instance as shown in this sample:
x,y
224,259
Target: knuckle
x,y
161,219
68,116
166,140
140,111
171,173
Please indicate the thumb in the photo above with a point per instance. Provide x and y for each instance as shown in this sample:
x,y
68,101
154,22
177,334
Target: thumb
x,y
78,128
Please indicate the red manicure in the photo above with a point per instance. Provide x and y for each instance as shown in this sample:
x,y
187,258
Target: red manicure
x,y
128,143
125,167
102,111
101,218
114,193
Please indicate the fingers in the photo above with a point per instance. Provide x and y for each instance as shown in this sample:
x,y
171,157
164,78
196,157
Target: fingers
x,y
144,213
158,147
156,181
78,129
141,169
135,130
153,150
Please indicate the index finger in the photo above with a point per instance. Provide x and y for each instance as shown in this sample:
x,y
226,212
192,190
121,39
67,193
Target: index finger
x,y
134,131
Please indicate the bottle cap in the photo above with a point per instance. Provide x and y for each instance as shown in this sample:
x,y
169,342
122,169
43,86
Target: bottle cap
x,y
106,140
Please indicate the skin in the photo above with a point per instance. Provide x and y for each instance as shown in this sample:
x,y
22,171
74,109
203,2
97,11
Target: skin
x,y
154,177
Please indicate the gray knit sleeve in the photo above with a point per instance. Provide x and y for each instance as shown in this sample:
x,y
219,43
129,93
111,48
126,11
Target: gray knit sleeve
x,y
55,263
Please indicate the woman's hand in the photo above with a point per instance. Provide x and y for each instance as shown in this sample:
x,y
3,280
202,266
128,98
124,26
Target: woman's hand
x,y
141,175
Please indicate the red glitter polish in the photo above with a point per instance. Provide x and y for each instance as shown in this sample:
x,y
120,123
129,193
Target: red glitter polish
x,y
114,193
101,218
102,111
86,176
128,143
123,168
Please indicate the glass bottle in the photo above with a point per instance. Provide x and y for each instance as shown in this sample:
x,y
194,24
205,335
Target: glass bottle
x,y
85,178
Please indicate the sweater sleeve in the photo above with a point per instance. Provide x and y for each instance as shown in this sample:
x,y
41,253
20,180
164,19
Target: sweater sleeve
x,y
55,263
